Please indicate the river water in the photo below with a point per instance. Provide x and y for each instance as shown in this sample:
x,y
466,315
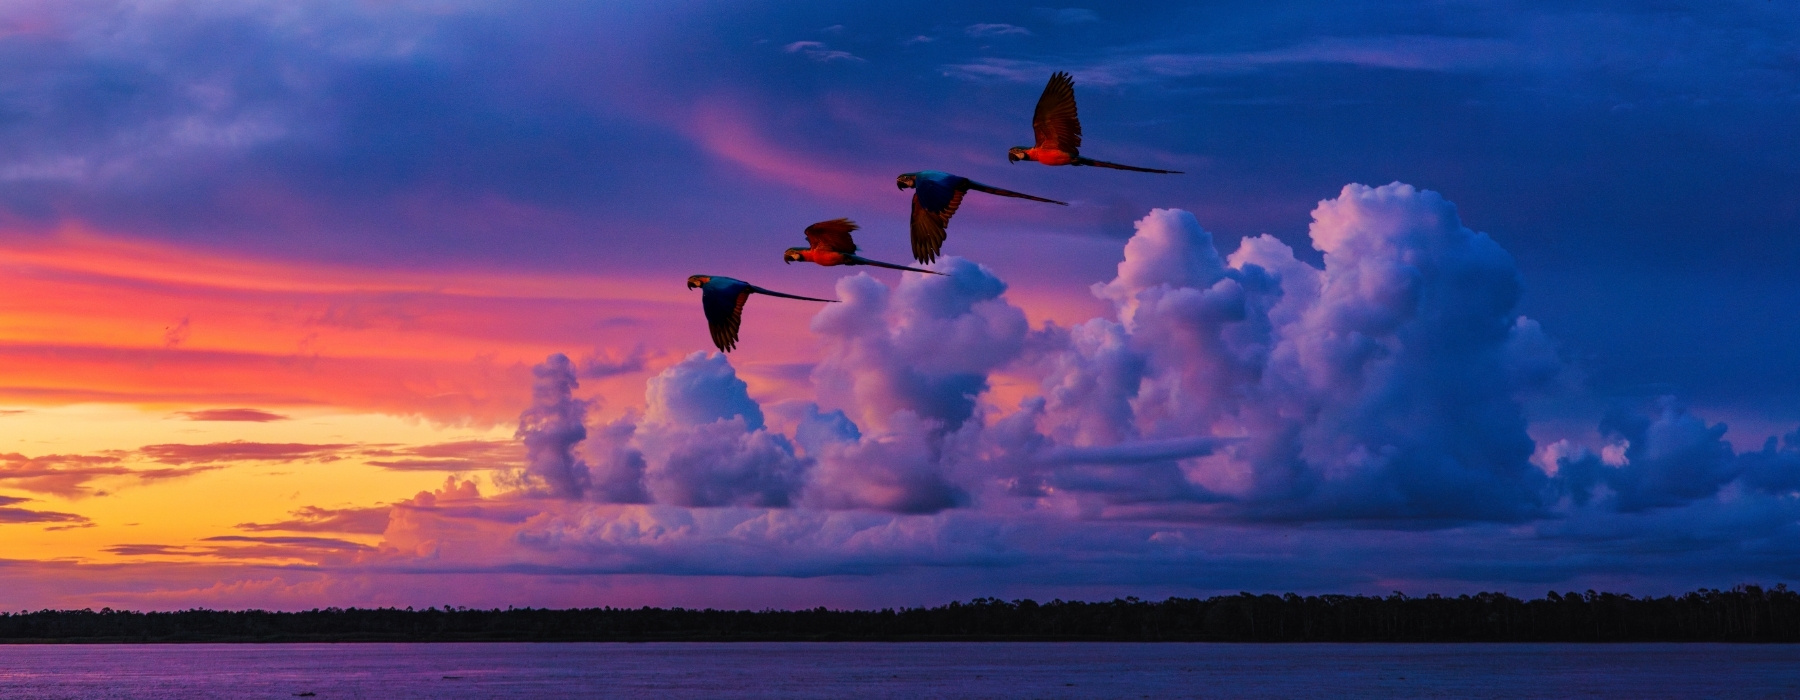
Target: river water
x,y
900,670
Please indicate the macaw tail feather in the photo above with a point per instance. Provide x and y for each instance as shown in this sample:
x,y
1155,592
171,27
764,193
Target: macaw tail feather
x,y
891,266
1116,166
990,189
760,290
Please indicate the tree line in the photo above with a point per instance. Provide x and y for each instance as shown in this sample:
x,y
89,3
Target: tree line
x,y
1743,614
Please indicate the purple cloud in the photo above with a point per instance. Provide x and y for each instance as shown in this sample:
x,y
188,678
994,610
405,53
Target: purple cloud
x,y
10,515
366,521
71,476
1383,386
704,442
551,428
926,347
458,456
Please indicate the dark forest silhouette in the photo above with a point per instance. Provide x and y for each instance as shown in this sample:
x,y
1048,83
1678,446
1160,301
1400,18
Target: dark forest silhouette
x,y
1742,614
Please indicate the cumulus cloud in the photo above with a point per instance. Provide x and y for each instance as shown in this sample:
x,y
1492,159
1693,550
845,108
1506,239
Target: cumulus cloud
x,y
793,542
699,442
702,441
1776,467
1383,386
902,470
618,464
551,428
1667,459
705,444
1379,390
1382,390
926,347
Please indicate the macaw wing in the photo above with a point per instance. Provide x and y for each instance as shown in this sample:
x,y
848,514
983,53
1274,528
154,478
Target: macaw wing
x,y
928,226
1054,123
833,235
725,313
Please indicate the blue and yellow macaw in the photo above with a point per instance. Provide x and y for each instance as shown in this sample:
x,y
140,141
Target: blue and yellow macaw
x,y
723,300
935,201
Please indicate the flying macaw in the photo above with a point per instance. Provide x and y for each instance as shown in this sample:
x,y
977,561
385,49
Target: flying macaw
x,y
832,245
939,194
1058,131
723,299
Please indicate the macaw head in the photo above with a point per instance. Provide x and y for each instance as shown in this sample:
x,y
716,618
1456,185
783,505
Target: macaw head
x,y
695,281
906,180
793,255
1016,154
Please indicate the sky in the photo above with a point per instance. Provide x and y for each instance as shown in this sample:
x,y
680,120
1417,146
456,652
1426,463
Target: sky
x,y
382,302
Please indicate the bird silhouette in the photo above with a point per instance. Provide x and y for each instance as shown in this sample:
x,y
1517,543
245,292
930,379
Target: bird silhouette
x,y
935,200
832,245
723,299
1058,131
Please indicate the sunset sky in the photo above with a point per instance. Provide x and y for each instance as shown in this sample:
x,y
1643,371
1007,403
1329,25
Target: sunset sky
x,y
381,302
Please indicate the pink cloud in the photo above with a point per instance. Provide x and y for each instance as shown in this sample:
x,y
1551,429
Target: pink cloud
x,y
10,515
364,521
731,134
250,415
242,451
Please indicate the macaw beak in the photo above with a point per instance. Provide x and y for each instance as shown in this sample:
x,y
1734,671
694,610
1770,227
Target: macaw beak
x,y
1013,157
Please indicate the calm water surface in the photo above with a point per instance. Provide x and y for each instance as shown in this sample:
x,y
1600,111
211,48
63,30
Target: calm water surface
x,y
914,670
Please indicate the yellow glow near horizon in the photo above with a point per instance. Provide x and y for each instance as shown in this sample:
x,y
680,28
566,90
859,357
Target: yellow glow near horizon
x,y
184,510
